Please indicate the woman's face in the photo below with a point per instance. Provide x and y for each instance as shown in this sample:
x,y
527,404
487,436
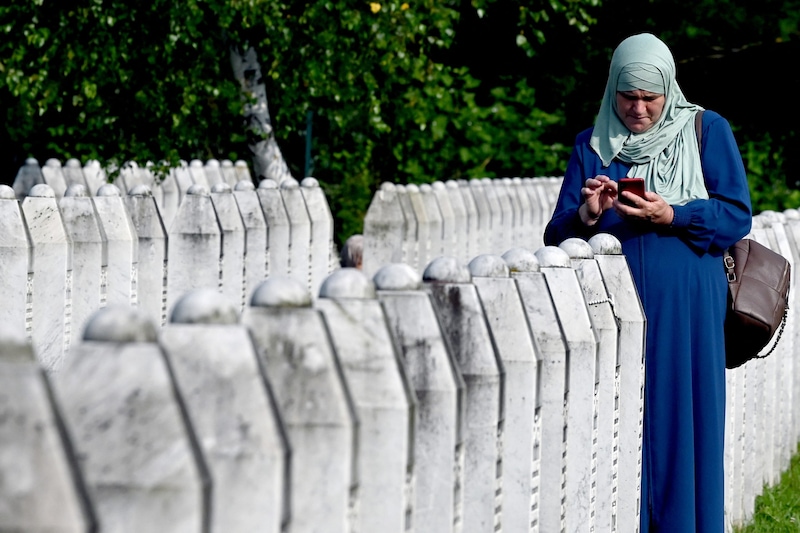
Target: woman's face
x,y
639,110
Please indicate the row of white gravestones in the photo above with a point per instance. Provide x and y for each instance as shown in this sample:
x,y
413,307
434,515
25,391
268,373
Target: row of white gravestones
x,y
414,224
64,258
168,192
503,395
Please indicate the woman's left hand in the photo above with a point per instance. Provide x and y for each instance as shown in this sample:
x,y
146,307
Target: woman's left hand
x,y
652,208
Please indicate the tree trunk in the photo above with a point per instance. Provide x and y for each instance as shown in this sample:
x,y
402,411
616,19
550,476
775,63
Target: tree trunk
x,y
268,161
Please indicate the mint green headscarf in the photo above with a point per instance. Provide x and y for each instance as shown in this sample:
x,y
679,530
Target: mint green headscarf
x,y
666,155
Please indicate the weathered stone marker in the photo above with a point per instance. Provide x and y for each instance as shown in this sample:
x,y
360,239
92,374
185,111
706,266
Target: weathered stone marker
x,y
135,449
382,395
232,239
122,245
228,403
16,254
255,225
299,230
297,359
278,228
322,261
384,230
439,388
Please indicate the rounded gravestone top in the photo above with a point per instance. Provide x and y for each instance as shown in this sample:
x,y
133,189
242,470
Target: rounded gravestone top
x,y
486,180
289,183
448,270
792,214
41,190
347,283
475,182
438,186
412,187
451,184
266,184
521,260
204,306
141,190
76,190
73,163
387,186
769,216
227,163
212,163
397,277
109,189
488,266
758,222
605,244
577,248
120,323
53,162
399,187
246,185
309,182
195,163
426,188
7,193
32,161
553,257
197,189
516,180
280,291
221,188
241,163
506,180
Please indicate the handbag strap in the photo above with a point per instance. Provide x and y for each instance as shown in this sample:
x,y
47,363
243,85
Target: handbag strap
x,y
778,337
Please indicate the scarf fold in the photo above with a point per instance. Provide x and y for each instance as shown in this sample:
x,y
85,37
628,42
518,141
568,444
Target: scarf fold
x,y
666,155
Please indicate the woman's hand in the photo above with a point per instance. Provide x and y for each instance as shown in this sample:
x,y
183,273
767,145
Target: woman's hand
x,y
598,194
652,208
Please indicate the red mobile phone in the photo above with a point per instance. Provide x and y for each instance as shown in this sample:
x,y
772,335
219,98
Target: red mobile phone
x,y
634,185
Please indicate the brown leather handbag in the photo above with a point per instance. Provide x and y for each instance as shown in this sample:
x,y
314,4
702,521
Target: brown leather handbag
x,y
758,293
758,283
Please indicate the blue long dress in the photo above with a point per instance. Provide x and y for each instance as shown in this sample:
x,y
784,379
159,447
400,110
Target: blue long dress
x,y
679,274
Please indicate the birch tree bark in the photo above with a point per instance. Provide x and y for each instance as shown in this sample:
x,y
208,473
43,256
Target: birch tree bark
x,y
268,161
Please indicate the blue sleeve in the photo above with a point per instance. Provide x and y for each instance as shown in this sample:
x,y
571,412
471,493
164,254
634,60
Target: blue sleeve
x,y
566,222
715,224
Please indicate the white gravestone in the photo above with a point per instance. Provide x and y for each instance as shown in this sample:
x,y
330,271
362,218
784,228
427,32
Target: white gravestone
x,y
214,173
228,172
229,404
152,267
88,257
606,415
198,174
51,285
384,230
382,395
410,237
462,188
54,176
549,446
630,374
297,359
16,252
299,231
461,222
73,174
41,488
277,228
453,234
439,388
233,245
514,343
28,175
425,227
467,332
255,225
122,245
322,258
195,244
435,220
135,449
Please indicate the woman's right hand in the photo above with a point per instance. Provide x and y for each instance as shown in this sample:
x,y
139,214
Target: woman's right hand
x,y
598,194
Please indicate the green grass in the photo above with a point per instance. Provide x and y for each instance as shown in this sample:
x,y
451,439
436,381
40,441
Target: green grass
x,y
778,508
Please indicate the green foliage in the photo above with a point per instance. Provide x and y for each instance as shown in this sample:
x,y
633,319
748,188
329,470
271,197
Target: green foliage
x,y
764,160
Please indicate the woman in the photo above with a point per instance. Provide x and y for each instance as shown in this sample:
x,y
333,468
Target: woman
x,y
697,204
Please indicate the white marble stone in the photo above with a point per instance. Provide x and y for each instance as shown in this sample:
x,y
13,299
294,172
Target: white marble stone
x,y
451,231
228,172
322,259
255,225
73,173
214,173
40,489
122,245
15,257
198,174
299,231
487,225
95,176
152,236
473,219
435,220
464,325
233,245
461,221
28,175
278,228
54,176
216,370
297,359
425,227
383,398
411,254
134,447
439,388
51,264
384,230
